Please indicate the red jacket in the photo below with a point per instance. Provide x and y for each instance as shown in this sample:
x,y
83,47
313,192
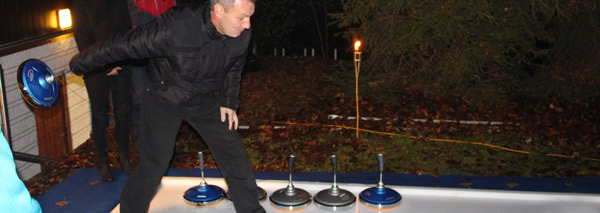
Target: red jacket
x,y
143,11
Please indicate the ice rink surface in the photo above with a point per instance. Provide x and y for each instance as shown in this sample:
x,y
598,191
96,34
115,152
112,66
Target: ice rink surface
x,y
169,198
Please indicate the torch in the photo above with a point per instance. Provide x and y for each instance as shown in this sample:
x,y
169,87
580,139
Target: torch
x,y
356,72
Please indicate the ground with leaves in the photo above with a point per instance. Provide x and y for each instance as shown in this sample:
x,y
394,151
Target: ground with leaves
x,y
289,109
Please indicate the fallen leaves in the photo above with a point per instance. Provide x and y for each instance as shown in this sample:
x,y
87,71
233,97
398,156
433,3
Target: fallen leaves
x,y
466,184
61,203
512,185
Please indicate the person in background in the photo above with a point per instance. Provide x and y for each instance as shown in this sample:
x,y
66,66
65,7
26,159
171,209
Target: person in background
x,y
14,194
142,12
96,20
196,55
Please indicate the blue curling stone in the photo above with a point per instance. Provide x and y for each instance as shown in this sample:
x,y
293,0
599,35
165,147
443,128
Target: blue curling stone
x,y
204,195
37,83
380,198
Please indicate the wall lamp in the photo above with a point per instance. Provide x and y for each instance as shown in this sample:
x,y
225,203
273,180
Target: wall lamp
x,y
64,19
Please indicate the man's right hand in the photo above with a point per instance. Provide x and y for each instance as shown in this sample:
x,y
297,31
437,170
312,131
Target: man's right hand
x,y
231,116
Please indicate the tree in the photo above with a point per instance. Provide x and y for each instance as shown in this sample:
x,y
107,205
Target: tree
x,y
478,49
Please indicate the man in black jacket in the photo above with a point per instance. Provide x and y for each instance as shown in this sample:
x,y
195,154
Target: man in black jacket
x,y
196,57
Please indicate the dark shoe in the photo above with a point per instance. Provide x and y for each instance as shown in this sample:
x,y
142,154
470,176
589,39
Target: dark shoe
x,y
105,172
125,164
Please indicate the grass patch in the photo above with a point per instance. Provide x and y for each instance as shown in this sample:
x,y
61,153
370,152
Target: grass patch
x,y
416,156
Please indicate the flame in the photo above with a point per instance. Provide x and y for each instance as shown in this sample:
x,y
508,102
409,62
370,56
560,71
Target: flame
x,y
356,45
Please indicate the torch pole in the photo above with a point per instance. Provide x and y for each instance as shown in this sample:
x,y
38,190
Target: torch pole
x,y
356,72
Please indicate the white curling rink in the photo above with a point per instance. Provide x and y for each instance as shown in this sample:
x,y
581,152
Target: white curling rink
x,y
169,198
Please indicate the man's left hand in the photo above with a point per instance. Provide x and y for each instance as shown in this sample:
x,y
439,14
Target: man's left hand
x,y
231,116
114,71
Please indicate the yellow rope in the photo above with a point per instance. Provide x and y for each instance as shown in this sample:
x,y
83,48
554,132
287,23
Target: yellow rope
x,y
442,140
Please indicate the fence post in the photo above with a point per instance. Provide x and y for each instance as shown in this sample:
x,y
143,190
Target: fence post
x,y
335,54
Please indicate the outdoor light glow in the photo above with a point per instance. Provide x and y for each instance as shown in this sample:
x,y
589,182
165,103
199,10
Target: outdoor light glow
x,y
64,18
356,45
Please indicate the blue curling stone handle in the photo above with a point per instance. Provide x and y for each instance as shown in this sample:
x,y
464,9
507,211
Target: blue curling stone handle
x,y
37,83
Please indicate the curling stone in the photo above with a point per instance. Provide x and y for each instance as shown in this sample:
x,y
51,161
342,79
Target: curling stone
x,y
335,198
290,198
203,194
37,83
380,197
261,194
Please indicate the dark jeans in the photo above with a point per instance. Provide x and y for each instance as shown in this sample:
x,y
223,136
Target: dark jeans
x,y
138,85
98,86
160,122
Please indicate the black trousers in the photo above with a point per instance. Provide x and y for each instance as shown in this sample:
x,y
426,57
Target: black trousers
x,y
138,85
160,121
98,86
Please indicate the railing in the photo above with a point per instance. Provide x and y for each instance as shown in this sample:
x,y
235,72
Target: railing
x,y
12,47
305,52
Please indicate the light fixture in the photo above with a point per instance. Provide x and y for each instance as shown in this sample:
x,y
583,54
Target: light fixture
x,y
64,19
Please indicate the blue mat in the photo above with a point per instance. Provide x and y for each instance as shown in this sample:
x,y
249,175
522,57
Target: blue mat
x,y
84,192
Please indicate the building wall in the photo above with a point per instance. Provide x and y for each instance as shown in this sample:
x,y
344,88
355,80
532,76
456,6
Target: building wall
x,y
79,109
56,55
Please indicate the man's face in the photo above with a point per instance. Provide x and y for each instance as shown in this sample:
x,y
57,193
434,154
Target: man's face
x,y
235,19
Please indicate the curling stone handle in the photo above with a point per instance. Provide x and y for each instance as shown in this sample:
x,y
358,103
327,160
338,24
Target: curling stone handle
x,y
333,164
201,157
290,187
291,163
334,187
49,78
202,181
380,160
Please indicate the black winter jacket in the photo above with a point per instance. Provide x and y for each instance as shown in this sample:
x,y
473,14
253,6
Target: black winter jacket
x,y
190,60
96,20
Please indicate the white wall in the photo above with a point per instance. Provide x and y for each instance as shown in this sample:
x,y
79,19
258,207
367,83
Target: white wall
x,y
79,110
56,55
